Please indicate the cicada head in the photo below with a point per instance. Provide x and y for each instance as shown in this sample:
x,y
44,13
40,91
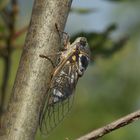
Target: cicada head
x,y
82,44
84,54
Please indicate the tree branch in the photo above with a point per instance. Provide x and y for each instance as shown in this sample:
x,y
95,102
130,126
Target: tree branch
x,y
34,74
8,51
95,134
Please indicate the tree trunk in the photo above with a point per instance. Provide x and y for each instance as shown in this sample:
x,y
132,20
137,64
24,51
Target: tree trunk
x,y
21,120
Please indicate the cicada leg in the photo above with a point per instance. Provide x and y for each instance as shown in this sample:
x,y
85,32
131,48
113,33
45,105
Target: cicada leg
x,y
48,57
66,37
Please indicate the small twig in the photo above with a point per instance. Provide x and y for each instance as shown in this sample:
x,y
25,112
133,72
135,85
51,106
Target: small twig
x,y
95,134
16,34
6,17
20,32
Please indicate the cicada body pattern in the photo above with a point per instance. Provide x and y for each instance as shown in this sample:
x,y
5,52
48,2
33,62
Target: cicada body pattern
x,y
72,64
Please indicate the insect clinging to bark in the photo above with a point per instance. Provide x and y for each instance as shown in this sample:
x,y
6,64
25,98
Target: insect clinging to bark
x,y
73,62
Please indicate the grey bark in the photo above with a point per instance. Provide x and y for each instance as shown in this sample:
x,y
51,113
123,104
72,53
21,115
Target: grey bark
x,y
21,120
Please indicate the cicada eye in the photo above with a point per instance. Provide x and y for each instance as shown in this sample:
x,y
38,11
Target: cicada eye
x,y
83,63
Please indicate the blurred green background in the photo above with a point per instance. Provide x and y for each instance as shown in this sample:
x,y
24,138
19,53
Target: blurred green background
x,y
110,87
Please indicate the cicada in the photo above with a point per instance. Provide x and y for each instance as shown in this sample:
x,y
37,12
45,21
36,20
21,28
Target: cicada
x,y
72,63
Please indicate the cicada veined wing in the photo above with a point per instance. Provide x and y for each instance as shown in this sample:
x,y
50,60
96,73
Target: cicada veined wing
x,y
72,65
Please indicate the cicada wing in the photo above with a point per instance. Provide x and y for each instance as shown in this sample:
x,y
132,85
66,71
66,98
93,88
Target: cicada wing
x,y
60,98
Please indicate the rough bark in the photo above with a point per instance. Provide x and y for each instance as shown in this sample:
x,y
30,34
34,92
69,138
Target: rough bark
x,y
21,120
